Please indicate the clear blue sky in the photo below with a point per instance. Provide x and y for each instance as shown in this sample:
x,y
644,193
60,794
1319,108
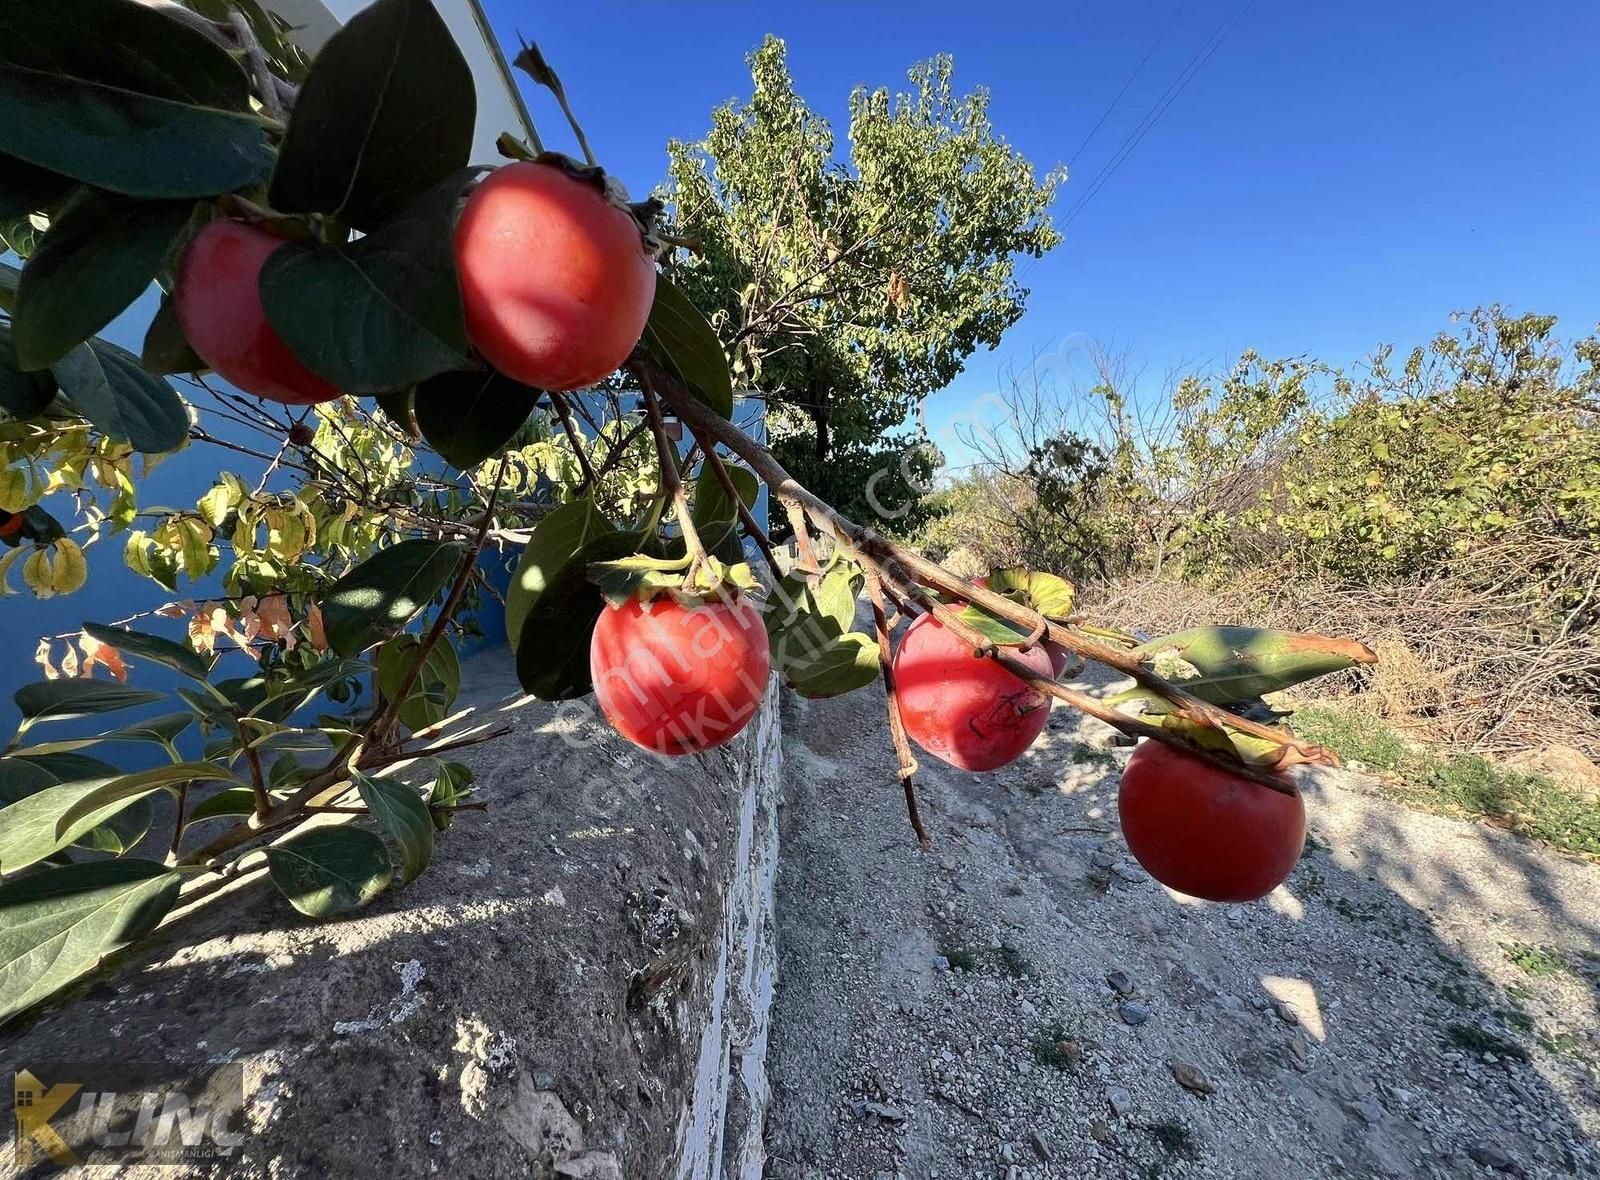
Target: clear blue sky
x,y
1335,176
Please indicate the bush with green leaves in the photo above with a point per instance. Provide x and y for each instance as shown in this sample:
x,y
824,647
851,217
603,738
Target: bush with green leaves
x,y
129,133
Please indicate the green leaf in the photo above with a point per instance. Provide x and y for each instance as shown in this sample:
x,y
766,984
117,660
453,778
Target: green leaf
x,y
469,416
106,385
1049,594
30,771
397,407
383,593
405,817
1224,665
62,700
40,824
23,773
555,540
137,785
711,500
158,649
122,832
378,313
995,630
231,801
120,96
714,514
813,646
387,111
161,731
435,689
165,348
57,924
553,645
99,255
330,870
452,784
128,46
22,394
844,665
682,341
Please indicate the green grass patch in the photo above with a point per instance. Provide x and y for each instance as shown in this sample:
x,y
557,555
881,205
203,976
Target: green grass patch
x,y
1056,1046
1534,960
1456,784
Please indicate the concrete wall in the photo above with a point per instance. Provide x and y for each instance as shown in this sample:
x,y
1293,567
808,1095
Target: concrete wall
x,y
578,986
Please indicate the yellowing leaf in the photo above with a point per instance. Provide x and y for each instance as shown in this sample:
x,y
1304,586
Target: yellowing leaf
x,y
36,573
69,571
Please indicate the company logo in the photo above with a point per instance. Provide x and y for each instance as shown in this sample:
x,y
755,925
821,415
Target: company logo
x,y
71,1114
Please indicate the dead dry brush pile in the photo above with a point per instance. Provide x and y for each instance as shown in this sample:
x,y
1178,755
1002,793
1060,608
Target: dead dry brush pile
x,y
1495,654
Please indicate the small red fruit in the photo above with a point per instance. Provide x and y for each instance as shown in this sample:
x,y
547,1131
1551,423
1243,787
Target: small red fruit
x,y
964,709
678,679
555,279
10,524
1205,832
219,309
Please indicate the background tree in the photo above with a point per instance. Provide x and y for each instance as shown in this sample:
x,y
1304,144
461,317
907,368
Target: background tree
x,y
850,290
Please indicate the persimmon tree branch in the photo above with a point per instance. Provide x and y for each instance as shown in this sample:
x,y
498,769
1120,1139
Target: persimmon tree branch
x,y
919,569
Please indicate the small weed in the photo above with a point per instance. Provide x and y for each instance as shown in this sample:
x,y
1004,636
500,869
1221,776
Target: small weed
x,y
1560,1043
1050,1046
960,958
1460,995
1310,881
1534,960
1348,909
1480,1040
1515,1018
1173,1138
1085,755
1519,992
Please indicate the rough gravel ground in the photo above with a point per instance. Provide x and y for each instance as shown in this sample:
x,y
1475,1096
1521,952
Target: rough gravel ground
x,y
1013,1004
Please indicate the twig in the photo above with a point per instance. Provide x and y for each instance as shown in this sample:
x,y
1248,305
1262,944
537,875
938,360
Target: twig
x,y
720,470
897,726
802,537
565,414
436,632
668,459
180,804
258,782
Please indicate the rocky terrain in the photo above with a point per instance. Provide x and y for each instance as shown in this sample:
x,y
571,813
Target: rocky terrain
x,y
1419,999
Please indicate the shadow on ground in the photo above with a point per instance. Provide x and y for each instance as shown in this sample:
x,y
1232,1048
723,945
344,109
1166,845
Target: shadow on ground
x,y
1025,1001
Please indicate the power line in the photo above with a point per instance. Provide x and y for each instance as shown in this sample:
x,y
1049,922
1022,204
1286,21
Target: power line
x,y
1168,97
1137,70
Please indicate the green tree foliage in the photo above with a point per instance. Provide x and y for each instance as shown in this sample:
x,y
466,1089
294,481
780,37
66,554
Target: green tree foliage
x,y
850,291
1381,472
